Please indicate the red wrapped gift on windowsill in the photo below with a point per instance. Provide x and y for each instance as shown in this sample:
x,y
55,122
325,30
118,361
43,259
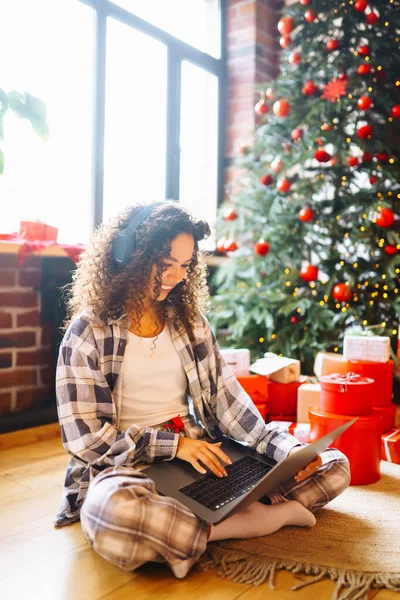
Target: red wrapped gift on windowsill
x,y
34,230
391,446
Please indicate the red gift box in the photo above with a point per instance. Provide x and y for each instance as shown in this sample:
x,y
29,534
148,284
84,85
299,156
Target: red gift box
x,y
33,230
391,446
381,373
348,394
388,414
286,418
262,408
361,443
256,386
282,399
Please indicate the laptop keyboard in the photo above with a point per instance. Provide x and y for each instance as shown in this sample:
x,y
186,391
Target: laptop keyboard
x,y
214,492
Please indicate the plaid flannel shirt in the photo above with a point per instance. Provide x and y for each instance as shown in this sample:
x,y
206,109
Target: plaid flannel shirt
x,y
87,382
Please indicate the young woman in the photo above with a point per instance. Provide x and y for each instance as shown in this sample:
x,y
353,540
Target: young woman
x,y
140,379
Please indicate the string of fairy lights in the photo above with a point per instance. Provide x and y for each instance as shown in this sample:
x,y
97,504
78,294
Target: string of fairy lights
x,y
376,291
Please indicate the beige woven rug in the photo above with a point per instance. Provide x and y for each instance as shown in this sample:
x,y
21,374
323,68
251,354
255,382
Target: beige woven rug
x,y
355,542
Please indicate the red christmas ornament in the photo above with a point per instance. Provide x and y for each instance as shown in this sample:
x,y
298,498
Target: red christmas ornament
x,y
295,319
277,165
384,218
261,248
364,69
230,215
310,16
305,2
269,93
230,245
382,156
390,250
364,50
367,157
332,45
283,186
373,180
306,214
364,132
221,245
309,88
372,18
352,161
364,103
342,292
395,112
281,108
266,180
296,134
325,127
334,89
284,41
342,77
360,5
261,108
294,58
322,156
309,273
285,25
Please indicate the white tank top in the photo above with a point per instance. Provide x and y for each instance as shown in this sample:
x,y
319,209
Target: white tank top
x,y
154,384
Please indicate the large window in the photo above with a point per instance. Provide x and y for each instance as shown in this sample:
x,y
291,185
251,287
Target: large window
x,y
134,98
47,50
135,123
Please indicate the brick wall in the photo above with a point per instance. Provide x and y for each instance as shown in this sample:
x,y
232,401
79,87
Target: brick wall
x,y
26,371
252,58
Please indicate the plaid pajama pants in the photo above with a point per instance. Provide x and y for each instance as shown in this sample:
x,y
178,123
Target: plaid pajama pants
x,y
127,522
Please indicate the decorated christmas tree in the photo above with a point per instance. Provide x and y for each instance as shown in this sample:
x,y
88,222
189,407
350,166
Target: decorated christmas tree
x,y
312,235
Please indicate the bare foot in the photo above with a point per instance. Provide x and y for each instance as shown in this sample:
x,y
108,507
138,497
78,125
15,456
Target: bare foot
x,y
299,515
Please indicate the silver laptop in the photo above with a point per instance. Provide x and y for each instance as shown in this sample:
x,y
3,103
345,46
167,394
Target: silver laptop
x,y
250,477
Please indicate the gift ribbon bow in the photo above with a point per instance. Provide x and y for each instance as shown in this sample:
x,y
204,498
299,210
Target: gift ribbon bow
x,y
177,424
344,379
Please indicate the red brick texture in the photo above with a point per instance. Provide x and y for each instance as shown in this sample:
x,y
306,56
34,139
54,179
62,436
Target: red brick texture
x,y
252,58
26,356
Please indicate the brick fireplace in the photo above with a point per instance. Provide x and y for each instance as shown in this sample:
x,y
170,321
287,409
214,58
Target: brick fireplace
x,y
31,312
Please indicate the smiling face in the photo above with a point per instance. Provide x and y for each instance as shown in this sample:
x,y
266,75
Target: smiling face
x,y
177,264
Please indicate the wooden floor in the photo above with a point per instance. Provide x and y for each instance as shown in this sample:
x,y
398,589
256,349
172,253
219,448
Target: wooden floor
x,y
39,562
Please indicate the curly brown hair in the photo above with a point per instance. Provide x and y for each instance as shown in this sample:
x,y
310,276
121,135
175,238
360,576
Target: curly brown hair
x,y
100,285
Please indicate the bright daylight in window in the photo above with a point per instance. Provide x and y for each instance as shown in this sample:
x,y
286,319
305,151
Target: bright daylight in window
x,y
47,50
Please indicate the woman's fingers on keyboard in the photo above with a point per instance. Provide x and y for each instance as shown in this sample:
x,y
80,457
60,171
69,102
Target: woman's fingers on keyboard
x,y
215,448
212,462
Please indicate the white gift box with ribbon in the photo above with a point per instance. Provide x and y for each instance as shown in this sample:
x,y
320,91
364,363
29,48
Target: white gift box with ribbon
x,y
277,368
238,359
374,348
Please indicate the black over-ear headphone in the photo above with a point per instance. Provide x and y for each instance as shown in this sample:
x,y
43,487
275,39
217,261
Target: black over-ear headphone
x,y
125,243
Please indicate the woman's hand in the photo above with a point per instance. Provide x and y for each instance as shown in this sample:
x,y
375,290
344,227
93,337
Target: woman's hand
x,y
309,469
193,451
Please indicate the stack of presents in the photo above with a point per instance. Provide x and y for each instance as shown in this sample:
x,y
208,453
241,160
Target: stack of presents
x,y
357,383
